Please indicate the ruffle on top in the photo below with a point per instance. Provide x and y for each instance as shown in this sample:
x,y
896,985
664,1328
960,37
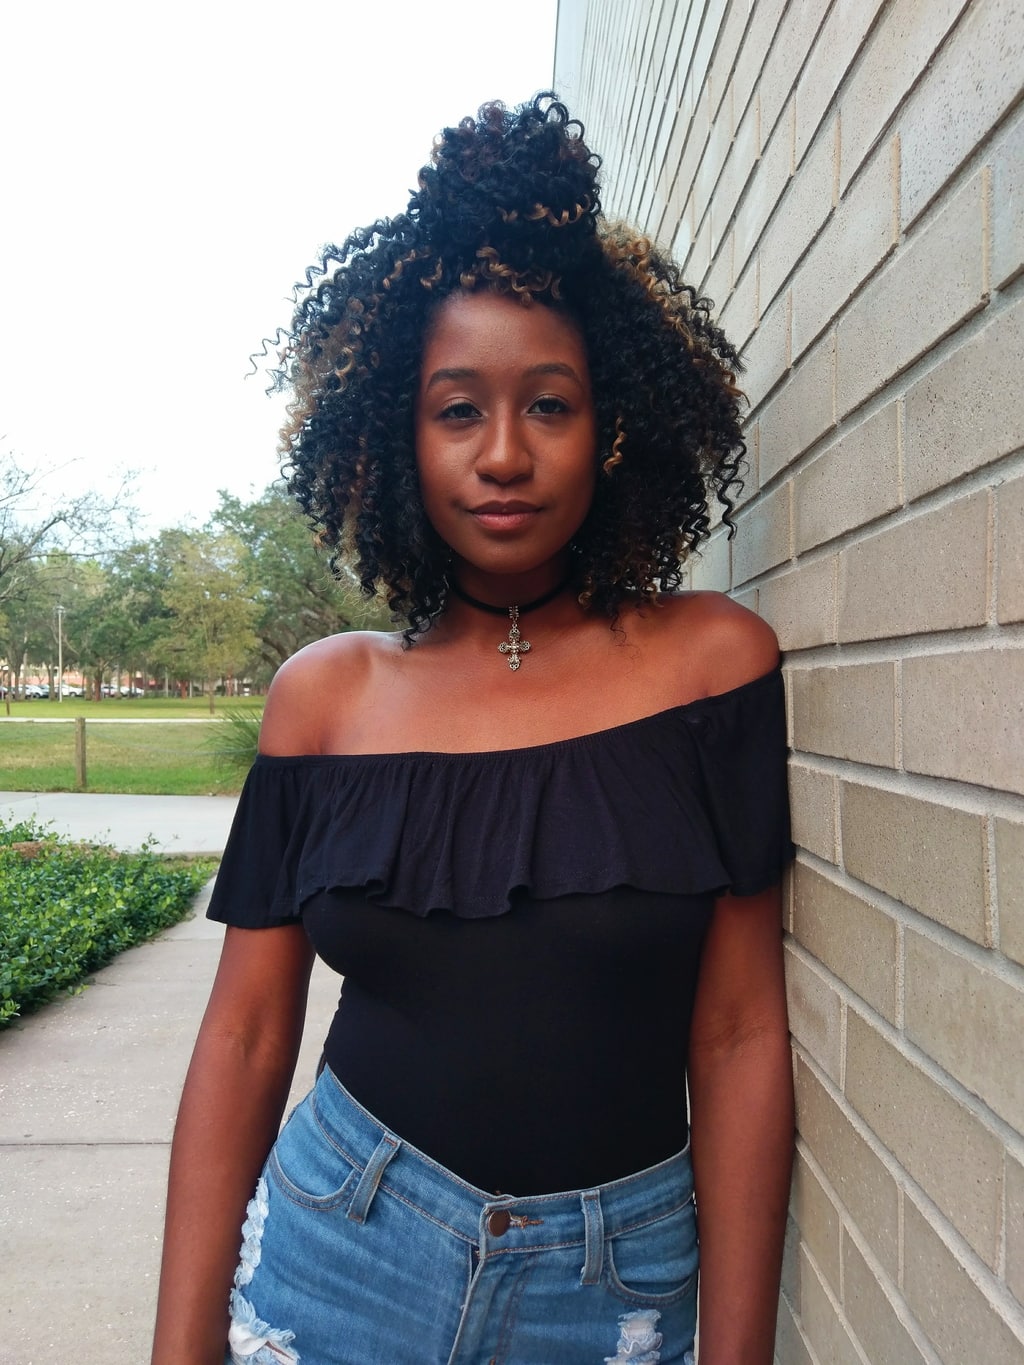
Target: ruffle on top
x,y
687,801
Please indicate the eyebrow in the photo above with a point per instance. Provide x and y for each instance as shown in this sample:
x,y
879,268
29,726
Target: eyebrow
x,y
546,367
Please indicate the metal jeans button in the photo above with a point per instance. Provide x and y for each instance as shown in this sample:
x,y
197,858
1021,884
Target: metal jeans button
x,y
498,1222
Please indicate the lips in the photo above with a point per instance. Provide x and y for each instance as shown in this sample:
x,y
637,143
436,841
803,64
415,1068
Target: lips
x,y
502,509
504,516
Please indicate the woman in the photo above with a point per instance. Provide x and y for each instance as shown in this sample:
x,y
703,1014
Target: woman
x,y
540,831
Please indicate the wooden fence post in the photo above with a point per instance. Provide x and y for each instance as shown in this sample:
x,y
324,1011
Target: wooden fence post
x,y
80,753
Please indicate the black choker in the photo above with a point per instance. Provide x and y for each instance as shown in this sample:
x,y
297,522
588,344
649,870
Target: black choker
x,y
515,645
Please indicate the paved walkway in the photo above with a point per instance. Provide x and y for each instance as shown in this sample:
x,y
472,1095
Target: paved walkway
x,y
170,824
88,1091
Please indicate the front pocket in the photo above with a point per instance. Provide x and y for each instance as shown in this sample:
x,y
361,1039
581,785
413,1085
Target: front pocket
x,y
307,1167
654,1265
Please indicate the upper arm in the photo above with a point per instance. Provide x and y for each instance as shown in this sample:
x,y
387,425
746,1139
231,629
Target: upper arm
x,y
741,990
736,645
258,1000
305,691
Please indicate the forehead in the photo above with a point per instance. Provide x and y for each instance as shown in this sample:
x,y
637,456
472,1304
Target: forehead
x,y
483,331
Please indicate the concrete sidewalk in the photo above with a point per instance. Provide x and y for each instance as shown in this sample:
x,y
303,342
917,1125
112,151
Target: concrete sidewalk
x,y
171,824
89,1086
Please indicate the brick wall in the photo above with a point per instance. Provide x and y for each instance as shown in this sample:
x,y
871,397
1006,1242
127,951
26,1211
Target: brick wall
x,y
846,181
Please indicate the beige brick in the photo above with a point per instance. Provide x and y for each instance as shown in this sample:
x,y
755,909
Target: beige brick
x,y
710,568
928,573
821,1318
790,1278
740,162
873,1308
718,284
852,938
682,242
840,37
970,85
815,1013
801,411
1015,1227
711,163
963,716
787,52
860,234
928,855
962,1173
1010,887
801,605
1008,204
860,1180
901,314
956,1310
846,712
896,54
790,1346
800,214
818,1220
725,44
851,482
739,315
764,23
1010,551
963,414
970,1021
763,535
813,801
767,353
698,261
769,181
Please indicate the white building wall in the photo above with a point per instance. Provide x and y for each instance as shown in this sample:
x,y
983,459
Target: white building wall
x,y
846,181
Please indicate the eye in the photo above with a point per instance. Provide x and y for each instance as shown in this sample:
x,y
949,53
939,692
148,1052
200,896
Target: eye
x,y
549,406
460,410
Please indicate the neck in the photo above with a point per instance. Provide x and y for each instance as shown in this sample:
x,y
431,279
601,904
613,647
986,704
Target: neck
x,y
500,609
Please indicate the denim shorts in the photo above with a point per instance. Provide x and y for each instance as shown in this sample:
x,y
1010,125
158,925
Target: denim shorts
x,y
357,1249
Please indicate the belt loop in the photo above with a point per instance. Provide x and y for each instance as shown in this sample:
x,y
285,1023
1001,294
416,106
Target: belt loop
x,y
370,1178
593,1223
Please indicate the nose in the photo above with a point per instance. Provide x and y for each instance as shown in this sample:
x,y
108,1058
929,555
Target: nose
x,y
504,456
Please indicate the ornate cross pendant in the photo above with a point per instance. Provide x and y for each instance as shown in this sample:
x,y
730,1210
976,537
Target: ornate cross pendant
x,y
514,645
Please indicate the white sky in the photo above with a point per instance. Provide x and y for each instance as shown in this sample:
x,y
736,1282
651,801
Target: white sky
x,y
167,171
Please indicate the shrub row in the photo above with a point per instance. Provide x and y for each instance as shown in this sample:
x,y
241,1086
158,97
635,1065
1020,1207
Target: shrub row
x,y
67,909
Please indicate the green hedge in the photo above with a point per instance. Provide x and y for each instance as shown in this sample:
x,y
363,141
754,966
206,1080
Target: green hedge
x,y
67,909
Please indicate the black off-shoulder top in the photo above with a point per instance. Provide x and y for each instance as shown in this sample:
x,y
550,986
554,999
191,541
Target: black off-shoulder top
x,y
520,930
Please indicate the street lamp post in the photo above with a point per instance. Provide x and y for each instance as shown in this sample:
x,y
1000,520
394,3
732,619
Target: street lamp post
x,y
59,613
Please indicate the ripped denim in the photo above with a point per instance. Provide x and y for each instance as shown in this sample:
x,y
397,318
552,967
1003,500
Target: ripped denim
x,y
357,1249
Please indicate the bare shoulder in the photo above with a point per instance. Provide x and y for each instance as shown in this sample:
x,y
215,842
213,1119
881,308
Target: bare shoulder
x,y
733,644
308,689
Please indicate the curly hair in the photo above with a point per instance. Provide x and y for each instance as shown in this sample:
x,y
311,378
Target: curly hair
x,y
509,203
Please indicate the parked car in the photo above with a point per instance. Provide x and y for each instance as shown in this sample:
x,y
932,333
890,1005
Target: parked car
x,y
33,691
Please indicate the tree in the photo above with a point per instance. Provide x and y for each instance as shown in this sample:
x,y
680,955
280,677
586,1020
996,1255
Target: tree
x,y
209,632
33,525
28,622
299,600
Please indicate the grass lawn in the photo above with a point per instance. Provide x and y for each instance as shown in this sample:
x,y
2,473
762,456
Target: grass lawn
x,y
158,759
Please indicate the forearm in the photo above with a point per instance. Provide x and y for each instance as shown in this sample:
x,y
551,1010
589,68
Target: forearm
x,y
227,1121
230,1111
742,1145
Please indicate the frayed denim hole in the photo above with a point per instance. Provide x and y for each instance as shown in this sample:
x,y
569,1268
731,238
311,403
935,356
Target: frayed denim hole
x,y
252,1234
254,1342
639,1339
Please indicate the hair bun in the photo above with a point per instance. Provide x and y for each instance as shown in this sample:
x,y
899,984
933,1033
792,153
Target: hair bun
x,y
522,182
